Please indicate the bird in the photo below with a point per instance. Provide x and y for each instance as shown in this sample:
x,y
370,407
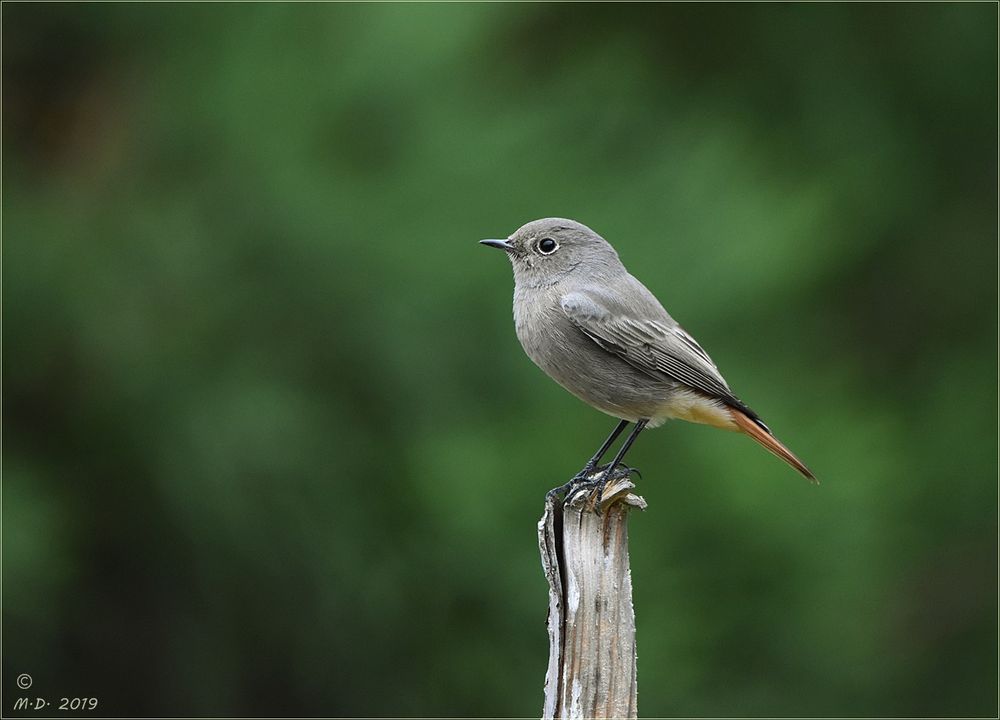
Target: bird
x,y
602,335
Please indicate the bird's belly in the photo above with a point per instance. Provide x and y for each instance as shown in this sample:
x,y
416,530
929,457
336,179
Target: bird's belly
x,y
600,379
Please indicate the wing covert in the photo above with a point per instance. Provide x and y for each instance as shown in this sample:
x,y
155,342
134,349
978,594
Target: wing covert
x,y
655,347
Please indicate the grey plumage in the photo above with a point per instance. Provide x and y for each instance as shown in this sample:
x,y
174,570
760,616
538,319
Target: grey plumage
x,y
602,335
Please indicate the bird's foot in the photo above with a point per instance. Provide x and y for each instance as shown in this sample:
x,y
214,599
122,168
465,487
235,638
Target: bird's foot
x,y
594,477
564,491
596,495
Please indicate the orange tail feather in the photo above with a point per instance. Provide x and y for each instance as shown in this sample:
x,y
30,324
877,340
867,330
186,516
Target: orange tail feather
x,y
747,426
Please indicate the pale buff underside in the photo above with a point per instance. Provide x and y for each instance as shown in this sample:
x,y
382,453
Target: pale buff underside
x,y
694,407
691,406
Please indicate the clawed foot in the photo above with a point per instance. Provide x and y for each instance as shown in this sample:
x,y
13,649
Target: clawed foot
x,y
594,477
566,489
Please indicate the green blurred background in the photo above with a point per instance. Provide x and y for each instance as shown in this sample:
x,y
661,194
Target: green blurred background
x,y
271,446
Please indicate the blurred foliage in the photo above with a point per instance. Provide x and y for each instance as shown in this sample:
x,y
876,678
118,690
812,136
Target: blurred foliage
x,y
271,446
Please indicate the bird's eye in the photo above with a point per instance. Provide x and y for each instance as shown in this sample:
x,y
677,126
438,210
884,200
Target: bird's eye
x,y
547,246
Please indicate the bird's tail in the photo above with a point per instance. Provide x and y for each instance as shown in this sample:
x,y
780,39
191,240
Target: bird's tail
x,y
759,432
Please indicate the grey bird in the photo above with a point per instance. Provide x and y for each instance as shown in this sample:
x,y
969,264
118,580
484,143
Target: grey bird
x,y
598,332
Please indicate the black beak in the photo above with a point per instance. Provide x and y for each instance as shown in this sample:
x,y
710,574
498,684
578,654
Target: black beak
x,y
502,244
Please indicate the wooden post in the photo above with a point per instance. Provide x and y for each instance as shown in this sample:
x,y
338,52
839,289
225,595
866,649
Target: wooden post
x,y
591,622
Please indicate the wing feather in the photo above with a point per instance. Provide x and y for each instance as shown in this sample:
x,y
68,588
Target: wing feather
x,y
658,346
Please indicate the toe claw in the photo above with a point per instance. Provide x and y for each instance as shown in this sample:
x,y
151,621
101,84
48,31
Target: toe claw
x,y
596,477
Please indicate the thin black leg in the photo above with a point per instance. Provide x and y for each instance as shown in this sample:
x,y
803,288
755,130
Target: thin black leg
x,y
599,487
592,463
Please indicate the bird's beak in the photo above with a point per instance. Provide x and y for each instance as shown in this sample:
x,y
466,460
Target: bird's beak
x,y
502,244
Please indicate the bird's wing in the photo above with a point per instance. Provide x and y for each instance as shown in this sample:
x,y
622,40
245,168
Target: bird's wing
x,y
646,337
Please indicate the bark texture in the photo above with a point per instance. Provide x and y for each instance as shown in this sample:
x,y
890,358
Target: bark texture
x,y
591,623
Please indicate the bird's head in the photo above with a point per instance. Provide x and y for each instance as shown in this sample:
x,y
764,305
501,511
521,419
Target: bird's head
x,y
543,252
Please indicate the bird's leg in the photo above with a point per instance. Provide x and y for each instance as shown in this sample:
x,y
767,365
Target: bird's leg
x,y
598,491
592,463
588,469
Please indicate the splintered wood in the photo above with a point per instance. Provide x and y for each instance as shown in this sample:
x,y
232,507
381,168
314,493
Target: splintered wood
x,y
591,623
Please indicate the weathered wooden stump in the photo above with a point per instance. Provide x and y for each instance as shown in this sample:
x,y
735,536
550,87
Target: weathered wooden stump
x,y
592,658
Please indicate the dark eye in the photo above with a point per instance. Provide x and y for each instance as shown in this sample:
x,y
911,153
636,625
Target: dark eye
x,y
547,246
